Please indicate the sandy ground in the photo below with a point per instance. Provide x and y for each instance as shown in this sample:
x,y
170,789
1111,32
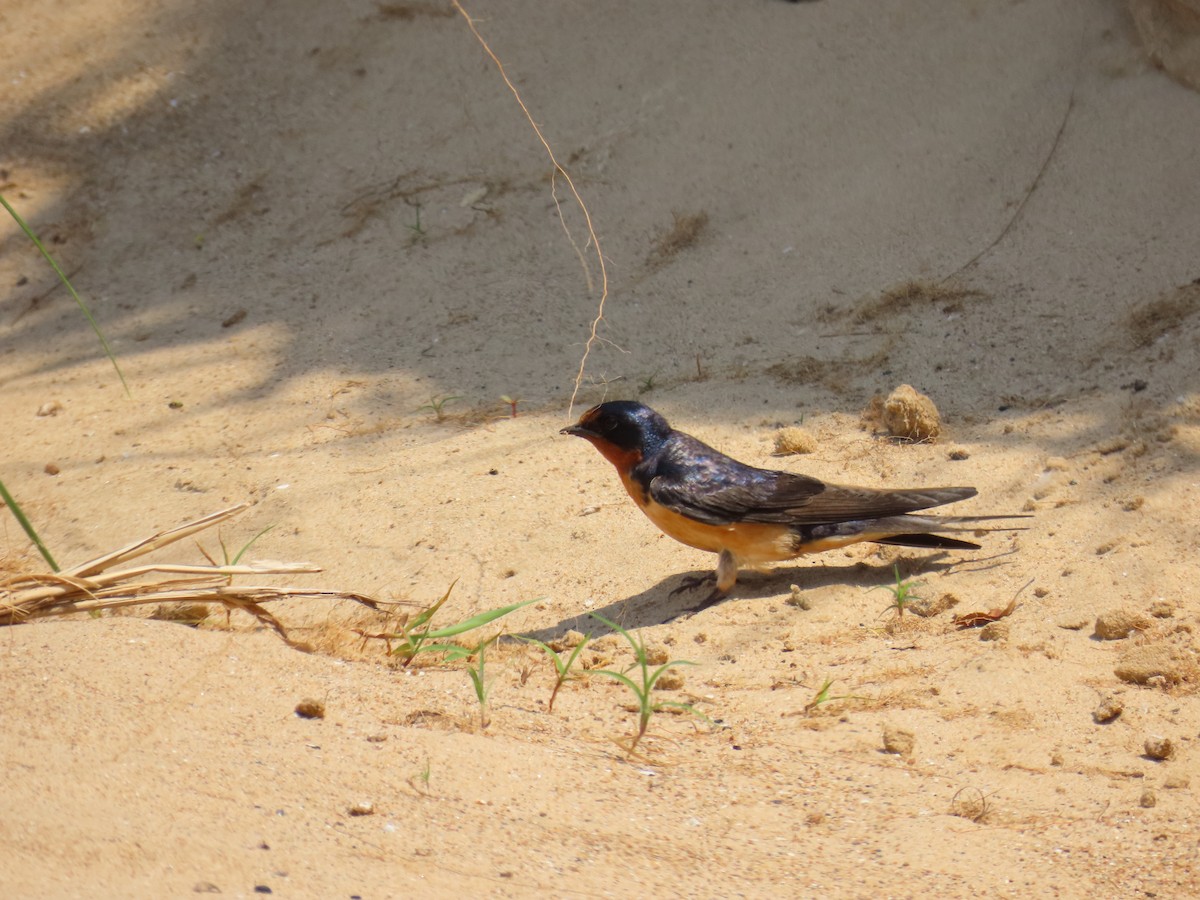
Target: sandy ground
x,y
303,226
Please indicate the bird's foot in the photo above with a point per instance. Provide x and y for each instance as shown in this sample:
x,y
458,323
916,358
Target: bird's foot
x,y
691,582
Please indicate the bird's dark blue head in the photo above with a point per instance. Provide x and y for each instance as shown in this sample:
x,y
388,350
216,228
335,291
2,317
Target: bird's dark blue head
x,y
624,426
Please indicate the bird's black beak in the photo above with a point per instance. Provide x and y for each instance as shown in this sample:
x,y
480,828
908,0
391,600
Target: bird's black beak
x,y
576,430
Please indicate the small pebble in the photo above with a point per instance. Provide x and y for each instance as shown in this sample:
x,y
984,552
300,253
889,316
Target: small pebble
x,y
1109,708
927,608
670,680
909,414
994,631
51,469
52,408
568,641
898,741
1118,624
473,196
1160,748
798,598
793,440
310,709
1148,798
1156,664
362,809
657,656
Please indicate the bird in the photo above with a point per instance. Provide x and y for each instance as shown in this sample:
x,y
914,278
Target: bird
x,y
747,515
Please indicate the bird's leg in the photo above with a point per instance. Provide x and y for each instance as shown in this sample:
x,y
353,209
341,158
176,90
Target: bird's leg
x,y
727,569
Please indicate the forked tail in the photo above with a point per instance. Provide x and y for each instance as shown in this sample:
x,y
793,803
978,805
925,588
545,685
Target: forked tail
x,y
927,532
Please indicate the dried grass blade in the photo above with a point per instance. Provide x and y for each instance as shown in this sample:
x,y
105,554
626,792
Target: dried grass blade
x,y
263,568
240,597
150,544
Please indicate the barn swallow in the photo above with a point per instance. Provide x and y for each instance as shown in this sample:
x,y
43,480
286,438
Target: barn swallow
x,y
710,501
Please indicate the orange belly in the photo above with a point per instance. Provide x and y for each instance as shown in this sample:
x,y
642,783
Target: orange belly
x,y
750,542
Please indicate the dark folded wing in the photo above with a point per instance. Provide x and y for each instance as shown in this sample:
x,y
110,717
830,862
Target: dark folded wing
x,y
760,495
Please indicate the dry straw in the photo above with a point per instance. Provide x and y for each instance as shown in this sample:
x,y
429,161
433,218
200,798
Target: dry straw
x,y
558,170
98,585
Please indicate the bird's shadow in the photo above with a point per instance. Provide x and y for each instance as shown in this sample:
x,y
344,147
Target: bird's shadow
x,y
657,606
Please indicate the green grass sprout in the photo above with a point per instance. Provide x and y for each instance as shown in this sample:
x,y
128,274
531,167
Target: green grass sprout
x,y
437,405
417,634
230,562
644,685
422,777
646,385
822,697
479,679
237,557
418,232
562,668
902,592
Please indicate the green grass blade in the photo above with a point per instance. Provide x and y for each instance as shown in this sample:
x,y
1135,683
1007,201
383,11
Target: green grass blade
x,y
428,614
412,649
412,628
63,278
247,545
575,653
27,526
477,681
477,621
453,652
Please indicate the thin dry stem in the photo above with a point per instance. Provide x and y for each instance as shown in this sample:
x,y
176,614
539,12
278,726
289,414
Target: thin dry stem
x,y
150,544
593,240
